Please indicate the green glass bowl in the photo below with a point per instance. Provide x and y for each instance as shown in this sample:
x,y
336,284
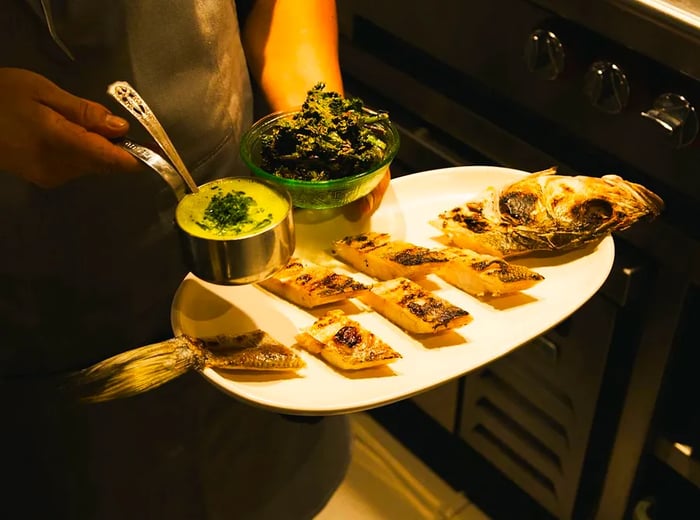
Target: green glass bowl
x,y
317,194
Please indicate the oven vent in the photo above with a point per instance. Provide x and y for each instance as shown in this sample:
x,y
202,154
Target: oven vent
x,y
518,435
530,413
486,437
515,434
518,442
551,410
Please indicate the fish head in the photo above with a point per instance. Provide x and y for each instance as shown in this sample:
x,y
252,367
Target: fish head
x,y
578,203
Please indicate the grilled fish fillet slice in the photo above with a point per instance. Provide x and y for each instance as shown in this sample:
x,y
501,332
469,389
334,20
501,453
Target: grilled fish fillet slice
x,y
309,285
254,350
377,255
344,343
477,274
481,275
414,309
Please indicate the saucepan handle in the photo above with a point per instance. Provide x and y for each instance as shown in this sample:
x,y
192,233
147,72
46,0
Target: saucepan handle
x,y
158,164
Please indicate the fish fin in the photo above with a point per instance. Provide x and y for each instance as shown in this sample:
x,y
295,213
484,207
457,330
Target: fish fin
x,y
549,171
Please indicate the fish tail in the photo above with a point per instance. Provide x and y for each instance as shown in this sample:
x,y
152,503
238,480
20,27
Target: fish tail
x,y
138,370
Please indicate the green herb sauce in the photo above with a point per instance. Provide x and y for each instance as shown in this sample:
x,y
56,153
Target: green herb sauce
x,y
230,208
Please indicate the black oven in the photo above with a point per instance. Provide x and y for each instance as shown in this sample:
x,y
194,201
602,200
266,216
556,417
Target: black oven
x,y
596,418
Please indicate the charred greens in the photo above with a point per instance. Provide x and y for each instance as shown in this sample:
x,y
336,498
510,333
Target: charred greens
x,y
330,137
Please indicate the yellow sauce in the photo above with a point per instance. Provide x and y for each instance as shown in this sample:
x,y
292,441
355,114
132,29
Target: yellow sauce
x,y
267,208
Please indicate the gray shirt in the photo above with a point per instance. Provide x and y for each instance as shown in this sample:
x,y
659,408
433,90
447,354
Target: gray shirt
x,y
89,270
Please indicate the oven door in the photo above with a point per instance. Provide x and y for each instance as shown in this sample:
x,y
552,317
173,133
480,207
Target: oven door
x,y
454,110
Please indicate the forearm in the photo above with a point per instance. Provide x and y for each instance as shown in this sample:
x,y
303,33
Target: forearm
x,y
291,45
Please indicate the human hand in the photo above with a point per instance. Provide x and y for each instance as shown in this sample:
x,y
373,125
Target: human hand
x,y
49,136
368,204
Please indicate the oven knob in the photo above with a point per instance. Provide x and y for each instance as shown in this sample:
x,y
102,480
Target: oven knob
x,y
676,117
606,86
544,54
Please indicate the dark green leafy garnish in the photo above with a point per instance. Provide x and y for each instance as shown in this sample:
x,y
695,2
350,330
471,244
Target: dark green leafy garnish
x,y
228,213
329,138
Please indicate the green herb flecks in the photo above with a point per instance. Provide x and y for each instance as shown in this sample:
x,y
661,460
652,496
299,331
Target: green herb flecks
x,y
233,213
329,138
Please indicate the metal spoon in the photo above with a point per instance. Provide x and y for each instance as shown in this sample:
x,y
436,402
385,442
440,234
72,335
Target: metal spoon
x,y
158,164
126,96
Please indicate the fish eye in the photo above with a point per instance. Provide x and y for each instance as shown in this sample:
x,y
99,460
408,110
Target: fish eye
x,y
593,212
520,206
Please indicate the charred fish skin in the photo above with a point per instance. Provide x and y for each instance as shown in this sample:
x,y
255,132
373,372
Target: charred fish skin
x,y
413,308
411,255
254,350
366,241
486,275
310,285
467,228
335,283
378,255
575,210
345,344
548,212
474,273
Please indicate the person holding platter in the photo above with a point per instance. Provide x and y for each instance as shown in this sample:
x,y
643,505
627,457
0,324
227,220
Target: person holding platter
x,y
91,260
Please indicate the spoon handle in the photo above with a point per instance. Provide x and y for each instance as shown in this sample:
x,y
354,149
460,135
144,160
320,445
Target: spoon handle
x,y
157,163
126,96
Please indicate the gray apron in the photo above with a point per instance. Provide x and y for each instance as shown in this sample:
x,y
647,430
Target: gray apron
x,y
89,270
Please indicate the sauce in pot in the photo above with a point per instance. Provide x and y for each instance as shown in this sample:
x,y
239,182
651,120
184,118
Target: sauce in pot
x,y
231,208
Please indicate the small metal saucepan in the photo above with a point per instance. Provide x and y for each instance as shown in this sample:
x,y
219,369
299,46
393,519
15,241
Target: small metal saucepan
x,y
249,258
233,259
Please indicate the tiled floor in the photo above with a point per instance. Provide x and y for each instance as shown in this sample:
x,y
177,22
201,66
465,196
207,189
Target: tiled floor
x,y
386,482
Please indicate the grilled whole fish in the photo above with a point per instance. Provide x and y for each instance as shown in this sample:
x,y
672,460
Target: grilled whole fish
x,y
145,368
309,285
377,255
344,343
548,212
413,308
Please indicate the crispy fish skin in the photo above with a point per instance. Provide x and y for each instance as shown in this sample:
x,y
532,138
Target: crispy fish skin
x,y
254,350
485,275
310,285
414,309
548,212
344,343
377,255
